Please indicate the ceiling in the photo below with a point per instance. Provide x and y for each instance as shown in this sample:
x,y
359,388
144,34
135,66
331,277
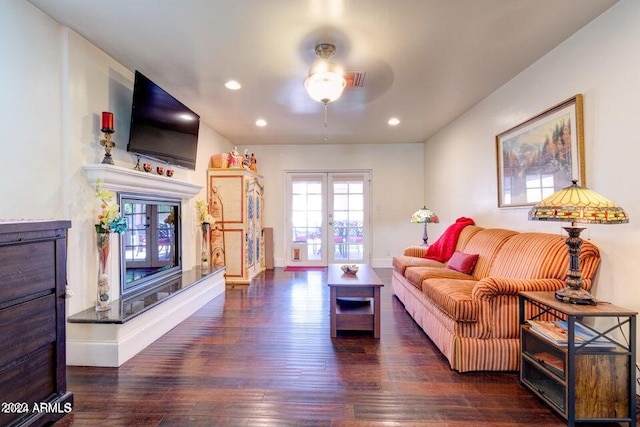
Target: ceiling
x,y
426,61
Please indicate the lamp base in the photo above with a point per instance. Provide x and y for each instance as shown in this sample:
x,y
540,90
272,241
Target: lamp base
x,y
425,237
575,296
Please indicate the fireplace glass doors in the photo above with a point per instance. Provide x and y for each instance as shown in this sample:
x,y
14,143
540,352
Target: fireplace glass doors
x,y
150,248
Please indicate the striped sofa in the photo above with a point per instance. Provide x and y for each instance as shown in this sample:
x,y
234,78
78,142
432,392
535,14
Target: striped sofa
x,y
473,319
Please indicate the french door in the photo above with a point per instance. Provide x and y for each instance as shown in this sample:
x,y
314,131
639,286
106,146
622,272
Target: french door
x,y
327,218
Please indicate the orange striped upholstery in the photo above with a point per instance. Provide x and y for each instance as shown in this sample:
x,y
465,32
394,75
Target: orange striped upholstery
x,y
487,244
453,296
465,235
540,255
473,320
500,296
419,274
485,355
415,251
401,262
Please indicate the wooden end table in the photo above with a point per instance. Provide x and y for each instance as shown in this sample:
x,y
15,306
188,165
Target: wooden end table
x,y
363,287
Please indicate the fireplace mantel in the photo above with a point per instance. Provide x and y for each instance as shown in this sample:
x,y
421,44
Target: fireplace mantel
x,y
111,344
119,179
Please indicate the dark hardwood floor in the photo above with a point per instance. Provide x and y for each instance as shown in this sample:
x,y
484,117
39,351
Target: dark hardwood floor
x,y
262,356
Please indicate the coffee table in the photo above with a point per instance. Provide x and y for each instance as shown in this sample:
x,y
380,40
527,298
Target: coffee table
x,y
360,297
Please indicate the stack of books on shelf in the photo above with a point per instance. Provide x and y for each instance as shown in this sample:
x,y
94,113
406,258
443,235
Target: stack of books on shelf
x,y
551,360
556,331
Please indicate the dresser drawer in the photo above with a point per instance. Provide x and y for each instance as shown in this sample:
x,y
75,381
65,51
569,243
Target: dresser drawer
x,y
26,269
26,327
32,380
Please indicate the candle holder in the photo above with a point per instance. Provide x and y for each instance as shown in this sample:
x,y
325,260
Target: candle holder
x,y
108,145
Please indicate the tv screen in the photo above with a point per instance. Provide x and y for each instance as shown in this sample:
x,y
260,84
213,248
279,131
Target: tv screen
x,y
161,126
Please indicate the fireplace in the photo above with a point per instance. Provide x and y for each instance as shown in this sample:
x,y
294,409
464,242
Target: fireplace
x,y
110,338
150,249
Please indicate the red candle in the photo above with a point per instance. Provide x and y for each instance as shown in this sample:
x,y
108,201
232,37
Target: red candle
x,y
107,121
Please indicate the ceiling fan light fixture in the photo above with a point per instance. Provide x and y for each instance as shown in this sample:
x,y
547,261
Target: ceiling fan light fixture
x,y
326,81
325,86
232,85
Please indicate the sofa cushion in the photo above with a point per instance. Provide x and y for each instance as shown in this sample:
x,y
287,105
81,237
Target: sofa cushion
x,y
401,262
487,244
464,263
416,275
453,296
465,235
541,256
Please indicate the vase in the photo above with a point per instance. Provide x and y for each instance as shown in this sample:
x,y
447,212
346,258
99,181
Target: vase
x,y
103,300
205,252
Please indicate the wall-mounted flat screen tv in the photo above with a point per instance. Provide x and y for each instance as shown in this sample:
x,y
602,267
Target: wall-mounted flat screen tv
x,y
162,127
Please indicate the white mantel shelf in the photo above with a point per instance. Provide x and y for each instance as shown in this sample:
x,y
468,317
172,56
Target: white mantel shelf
x,y
119,179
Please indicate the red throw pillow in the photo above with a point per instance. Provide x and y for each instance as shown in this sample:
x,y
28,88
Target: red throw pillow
x,y
464,263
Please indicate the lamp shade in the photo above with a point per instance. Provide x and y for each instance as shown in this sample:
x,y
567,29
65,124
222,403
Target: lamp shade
x,y
578,204
325,82
423,216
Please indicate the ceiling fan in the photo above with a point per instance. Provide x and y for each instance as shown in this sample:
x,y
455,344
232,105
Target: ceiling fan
x,y
327,80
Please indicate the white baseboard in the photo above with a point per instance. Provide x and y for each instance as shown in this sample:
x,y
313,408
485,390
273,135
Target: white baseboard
x,y
375,263
110,345
382,263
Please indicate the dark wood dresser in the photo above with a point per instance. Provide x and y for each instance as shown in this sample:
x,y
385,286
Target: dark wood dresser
x,y
33,383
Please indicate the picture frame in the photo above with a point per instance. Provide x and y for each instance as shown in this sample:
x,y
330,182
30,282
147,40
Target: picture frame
x,y
541,155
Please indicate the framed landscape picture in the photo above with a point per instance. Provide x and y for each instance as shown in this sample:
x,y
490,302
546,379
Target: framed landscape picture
x,y
542,155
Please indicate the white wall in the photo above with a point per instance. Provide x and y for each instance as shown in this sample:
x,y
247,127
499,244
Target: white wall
x,y
58,83
396,188
52,96
602,61
30,135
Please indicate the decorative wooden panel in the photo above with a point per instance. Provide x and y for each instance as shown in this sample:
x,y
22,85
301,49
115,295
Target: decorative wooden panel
x,y
236,202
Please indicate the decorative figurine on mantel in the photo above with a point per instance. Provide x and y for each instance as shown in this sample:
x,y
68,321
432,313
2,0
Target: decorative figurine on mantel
x,y
247,159
107,143
235,158
253,164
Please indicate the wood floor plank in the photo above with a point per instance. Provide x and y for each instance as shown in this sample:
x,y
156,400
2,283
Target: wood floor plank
x,y
262,355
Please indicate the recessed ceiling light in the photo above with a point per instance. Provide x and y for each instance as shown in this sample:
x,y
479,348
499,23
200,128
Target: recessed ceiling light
x,y
394,121
261,123
233,85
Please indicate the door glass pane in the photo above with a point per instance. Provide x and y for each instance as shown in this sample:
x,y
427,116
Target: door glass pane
x,y
299,219
356,187
314,187
307,218
314,202
314,219
348,211
340,202
299,202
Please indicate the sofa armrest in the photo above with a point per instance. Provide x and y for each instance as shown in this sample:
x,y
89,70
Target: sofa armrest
x,y
498,297
415,251
491,287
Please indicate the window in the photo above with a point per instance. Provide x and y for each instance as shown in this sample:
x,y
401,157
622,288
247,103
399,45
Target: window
x,y
150,248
